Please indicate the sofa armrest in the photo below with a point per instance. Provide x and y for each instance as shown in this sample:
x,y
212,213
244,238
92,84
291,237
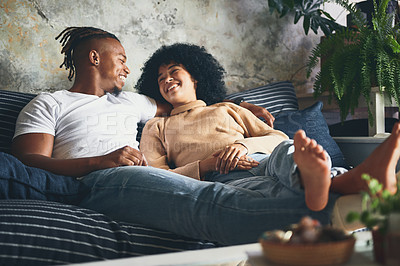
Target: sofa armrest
x,y
343,206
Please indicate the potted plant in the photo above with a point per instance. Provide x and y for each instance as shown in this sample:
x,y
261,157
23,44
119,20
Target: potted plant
x,y
380,213
358,58
310,10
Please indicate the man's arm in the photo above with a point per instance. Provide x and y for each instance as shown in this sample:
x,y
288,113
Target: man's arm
x,y
163,108
35,149
257,111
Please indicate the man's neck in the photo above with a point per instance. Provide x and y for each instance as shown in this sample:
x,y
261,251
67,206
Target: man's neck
x,y
87,87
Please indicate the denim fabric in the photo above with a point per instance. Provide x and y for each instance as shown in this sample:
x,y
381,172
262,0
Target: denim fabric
x,y
228,209
18,181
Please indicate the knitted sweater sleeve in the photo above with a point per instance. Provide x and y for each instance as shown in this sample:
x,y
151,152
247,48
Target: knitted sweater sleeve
x,y
259,137
152,144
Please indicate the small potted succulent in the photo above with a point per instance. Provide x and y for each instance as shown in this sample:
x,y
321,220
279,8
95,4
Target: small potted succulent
x,y
380,213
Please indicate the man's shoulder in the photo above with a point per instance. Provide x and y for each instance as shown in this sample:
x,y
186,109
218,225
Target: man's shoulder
x,y
131,95
45,98
137,100
56,96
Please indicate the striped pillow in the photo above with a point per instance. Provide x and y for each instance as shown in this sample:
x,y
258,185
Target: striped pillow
x,y
11,104
50,233
312,121
275,97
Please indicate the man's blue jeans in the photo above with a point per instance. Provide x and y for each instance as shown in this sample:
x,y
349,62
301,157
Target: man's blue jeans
x,y
228,209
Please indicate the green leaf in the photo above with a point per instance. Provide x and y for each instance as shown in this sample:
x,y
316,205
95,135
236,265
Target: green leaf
x,y
394,44
297,16
352,217
306,24
374,186
386,194
289,3
327,14
371,223
374,203
365,217
366,177
308,9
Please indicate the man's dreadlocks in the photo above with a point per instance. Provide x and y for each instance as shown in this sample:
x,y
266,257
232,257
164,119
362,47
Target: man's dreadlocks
x,y
71,37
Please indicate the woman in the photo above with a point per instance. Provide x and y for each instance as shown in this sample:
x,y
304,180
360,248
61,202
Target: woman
x,y
226,124
213,143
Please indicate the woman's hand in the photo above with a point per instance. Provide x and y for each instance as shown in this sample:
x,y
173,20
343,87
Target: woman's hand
x,y
232,156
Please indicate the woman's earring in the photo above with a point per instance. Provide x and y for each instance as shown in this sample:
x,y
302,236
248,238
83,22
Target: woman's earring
x,y
96,62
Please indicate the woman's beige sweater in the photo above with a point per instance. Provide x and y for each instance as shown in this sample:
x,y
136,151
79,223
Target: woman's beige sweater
x,y
194,132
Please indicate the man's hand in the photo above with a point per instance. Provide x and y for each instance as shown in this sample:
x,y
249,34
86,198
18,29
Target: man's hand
x,y
259,112
233,156
246,163
209,164
125,156
35,149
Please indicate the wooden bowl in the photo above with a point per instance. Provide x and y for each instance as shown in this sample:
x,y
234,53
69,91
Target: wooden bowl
x,y
326,253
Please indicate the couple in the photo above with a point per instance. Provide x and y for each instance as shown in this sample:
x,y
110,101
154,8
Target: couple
x,y
89,132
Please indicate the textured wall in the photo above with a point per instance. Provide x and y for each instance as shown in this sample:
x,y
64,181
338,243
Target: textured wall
x,y
254,47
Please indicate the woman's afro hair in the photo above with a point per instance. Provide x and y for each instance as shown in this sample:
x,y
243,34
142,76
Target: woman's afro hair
x,y
201,65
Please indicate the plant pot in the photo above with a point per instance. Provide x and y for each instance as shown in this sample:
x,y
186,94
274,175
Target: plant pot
x,y
379,246
393,240
392,249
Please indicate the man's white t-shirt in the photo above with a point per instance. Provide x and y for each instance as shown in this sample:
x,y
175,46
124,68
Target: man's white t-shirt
x,y
86,125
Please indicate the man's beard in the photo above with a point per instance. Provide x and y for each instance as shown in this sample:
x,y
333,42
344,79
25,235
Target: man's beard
x,y
116,91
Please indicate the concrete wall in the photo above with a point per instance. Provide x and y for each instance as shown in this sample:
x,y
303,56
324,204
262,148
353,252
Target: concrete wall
x,y
254,46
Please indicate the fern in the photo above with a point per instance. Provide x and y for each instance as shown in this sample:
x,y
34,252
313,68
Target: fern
x,y
355,60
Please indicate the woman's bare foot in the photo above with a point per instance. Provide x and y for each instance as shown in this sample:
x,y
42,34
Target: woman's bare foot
x,y
314,168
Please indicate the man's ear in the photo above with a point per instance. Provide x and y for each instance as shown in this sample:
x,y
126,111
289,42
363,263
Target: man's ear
x,y
94,57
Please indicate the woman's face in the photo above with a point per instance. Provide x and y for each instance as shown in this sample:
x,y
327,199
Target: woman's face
x,y
176,84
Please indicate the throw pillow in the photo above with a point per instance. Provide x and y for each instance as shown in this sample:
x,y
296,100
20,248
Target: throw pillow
x,y
18,181
11,103
313,123
275,97
50,233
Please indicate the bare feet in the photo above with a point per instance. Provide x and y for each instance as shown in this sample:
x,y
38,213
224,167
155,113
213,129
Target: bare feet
x,y
314,168
380,164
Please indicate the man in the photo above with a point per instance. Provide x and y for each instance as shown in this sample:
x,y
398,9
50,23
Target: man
x,y
89,132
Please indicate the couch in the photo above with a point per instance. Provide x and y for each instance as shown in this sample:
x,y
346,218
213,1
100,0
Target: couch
x,y
41,225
